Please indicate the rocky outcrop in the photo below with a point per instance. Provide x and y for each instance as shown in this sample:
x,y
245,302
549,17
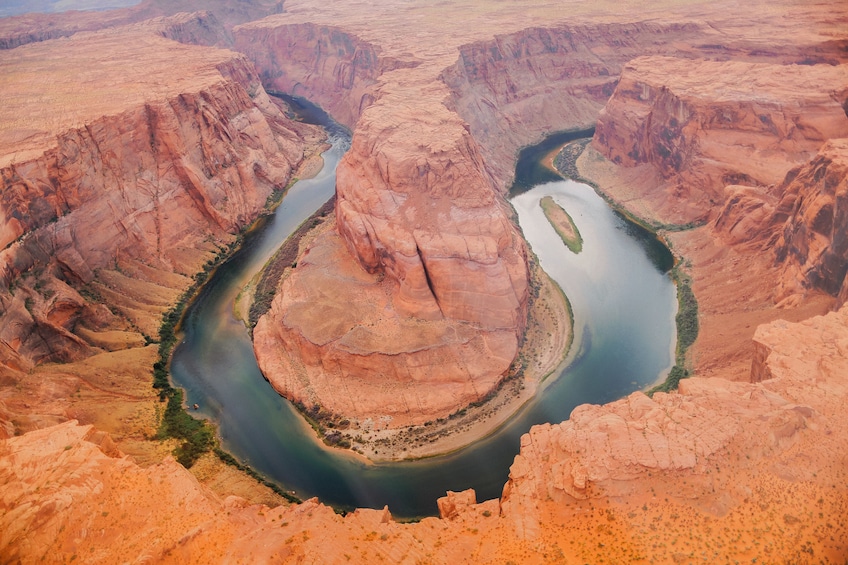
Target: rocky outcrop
x,y
800,222
726,469
145,178
812,216
612,450
416,308
703,125
326,64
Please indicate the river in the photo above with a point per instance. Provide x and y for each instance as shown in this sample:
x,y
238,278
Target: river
x,y
624,305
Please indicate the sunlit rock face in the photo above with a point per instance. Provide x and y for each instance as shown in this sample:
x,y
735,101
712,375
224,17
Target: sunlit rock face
x,y
707,124
415,306
148,174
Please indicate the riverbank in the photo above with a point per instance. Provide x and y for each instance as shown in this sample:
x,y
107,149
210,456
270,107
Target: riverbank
x,y
570,163
244,302
545,351
547,342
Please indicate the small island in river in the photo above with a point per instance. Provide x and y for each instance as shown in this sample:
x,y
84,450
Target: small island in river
x,y
563,224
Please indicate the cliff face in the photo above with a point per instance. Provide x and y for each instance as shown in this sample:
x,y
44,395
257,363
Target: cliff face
x,y
151,184
426,281
328,65
416,306
812,216
703,125
504,88
800,223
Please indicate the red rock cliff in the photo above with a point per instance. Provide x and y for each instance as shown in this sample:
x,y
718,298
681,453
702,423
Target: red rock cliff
x,y
326,64
505,87
426,280
705,124
146,174
812,216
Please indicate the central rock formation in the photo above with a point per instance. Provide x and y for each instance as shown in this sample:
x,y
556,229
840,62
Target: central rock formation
x,y
415,307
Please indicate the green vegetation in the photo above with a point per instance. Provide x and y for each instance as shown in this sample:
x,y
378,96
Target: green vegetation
x,y
687,330
198,436
286,256
326,424
563,223
233,462
687,312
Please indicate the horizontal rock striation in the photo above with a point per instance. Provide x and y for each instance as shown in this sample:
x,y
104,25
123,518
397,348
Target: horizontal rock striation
x,y
801,222
426,279
150,177
415,307
812,216
518,87
703,125
326,64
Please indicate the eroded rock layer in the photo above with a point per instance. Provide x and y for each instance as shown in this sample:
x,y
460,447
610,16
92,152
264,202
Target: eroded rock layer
x,y
150,174
705,124
720,469
432,299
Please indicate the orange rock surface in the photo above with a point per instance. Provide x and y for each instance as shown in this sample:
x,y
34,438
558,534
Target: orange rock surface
x,y
720,471
707,124
147,174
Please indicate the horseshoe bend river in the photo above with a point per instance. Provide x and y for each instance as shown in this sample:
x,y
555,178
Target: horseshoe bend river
x,y
624,305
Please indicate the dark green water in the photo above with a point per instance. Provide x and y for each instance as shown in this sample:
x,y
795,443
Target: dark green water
x,y
624,320
529,170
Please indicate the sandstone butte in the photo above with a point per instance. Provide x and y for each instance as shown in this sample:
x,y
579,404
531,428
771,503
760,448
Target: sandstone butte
x,y
125,194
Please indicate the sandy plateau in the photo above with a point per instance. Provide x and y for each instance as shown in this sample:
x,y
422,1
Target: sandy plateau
x,y
132,153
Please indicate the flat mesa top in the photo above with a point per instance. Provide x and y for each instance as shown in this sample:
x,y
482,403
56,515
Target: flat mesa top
x,y
53,86
737,80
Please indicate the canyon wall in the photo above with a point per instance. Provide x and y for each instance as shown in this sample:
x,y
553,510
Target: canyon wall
x,y
719,470
514,89
156,180
801,221
517,88
425,280
813,244
326,64
702,126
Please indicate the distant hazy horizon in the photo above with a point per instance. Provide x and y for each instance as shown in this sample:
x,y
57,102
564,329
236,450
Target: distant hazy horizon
x,y
15,7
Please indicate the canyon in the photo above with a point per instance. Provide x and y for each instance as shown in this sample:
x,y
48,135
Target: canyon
x,y
726,140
